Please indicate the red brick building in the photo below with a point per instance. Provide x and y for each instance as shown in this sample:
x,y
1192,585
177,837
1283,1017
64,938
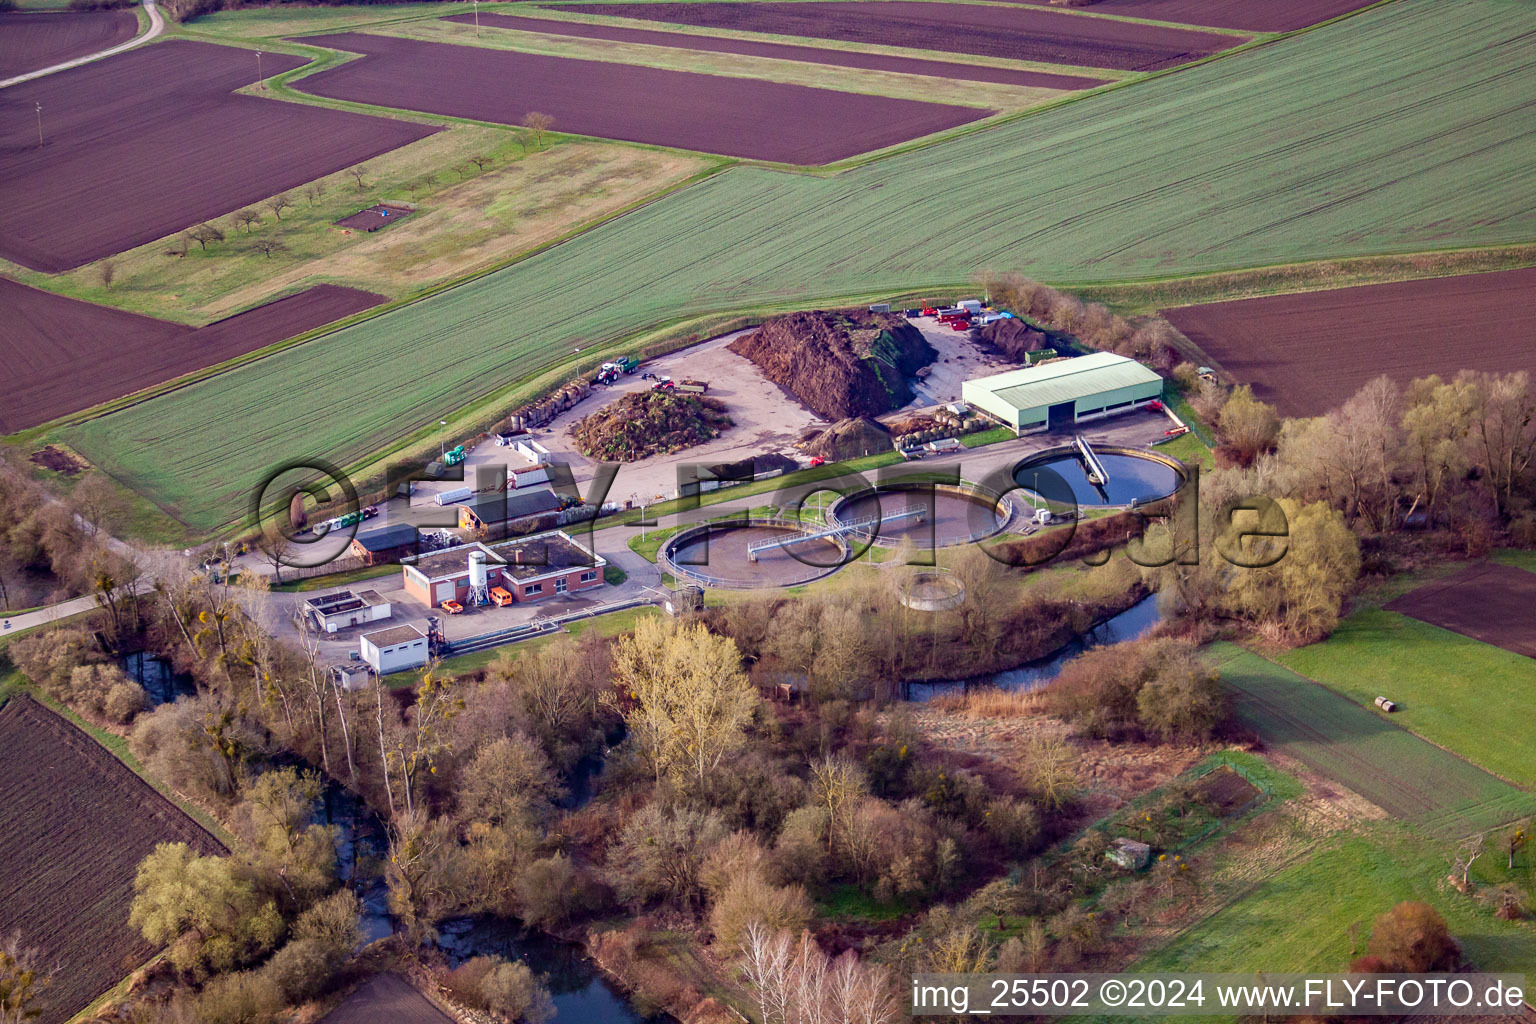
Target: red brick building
x,y
530,569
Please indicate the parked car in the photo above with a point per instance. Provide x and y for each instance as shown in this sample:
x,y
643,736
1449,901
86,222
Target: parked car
x,y
453,608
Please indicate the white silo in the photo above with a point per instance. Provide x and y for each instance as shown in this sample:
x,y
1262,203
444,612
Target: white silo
x,y
479,591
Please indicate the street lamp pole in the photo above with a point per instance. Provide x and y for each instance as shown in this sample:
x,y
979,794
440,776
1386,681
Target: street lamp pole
x,y
442,442
39,124
477,19
260,83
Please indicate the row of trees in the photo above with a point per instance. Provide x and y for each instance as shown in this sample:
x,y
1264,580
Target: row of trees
x,y
1457,452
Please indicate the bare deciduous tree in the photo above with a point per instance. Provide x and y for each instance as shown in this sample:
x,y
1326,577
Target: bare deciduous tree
x,y
277,204
205,233
313,191
538,123
480,161
247,217
357,176
106,272
268,246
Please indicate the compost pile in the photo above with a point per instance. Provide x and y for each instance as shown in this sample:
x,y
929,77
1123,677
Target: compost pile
x,y
647,423
840,364
850,439
1014,339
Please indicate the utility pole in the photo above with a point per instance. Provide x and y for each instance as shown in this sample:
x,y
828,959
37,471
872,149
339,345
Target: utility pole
x,y
442,442
260,79
39,124
477,19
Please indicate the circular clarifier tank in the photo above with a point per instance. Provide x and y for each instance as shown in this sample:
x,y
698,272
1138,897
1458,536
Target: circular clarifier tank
x,y
755,553
941,515
1061,475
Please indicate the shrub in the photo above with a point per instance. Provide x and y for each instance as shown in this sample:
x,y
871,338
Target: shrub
x,y
800,853
300,970
124,702
244,998
1413,938
511,990
752,899
662,851
551,891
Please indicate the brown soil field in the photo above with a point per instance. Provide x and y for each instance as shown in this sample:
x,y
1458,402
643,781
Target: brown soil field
x,y
38,39
76,824
1491,603
1249,15
1306,353
1051,37
386,999
709,113
781,51
63,355
142,145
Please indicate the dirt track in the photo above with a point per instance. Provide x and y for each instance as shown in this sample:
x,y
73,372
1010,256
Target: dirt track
x,y
386,999
142,145
712,114
780,51
1250,15
1308,352
38,39
1491,603
63,355
76,825
1017,33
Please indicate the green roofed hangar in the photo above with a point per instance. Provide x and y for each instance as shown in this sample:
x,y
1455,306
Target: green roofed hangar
x,y
1059,394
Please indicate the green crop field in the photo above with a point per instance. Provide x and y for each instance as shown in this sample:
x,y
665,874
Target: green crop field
x,y
1406,776
1403,129
1300,919
1456,692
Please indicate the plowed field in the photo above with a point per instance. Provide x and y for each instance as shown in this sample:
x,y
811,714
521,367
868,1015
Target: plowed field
x,y
38,39
1251,15
734,116
62,355
1307,353
142,145
781,51
1052,37
1491,603
74,824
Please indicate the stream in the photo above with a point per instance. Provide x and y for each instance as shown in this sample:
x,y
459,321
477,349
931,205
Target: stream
x,y
1128,625
580,990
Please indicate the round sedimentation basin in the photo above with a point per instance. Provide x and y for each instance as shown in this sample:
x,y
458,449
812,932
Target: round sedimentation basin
x,y
947,515
1135,476
718,554
932,590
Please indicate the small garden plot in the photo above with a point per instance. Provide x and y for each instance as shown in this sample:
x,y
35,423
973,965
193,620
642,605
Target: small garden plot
x,y
380,215
1491,603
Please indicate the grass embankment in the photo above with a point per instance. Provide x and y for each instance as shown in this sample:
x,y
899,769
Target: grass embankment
x,y
599,625
1301,918
703,251
1458,693
337,579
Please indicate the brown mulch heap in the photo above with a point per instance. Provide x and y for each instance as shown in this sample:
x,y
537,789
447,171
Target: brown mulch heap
x,y
1014,338
646,423
840,363
57,459
851,439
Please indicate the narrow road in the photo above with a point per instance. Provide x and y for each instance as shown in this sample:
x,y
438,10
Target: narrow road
x,y
156,26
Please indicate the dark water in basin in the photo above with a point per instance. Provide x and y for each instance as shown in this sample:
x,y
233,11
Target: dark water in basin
x,y
1128,625
160,682
1131,478
580,991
